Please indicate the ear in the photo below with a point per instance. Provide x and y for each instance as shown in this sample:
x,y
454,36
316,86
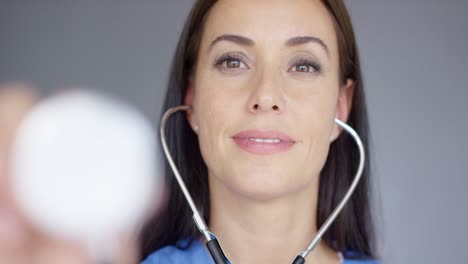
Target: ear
x,y
343,107
189,100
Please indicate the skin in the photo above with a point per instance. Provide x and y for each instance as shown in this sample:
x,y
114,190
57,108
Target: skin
x,y
266,85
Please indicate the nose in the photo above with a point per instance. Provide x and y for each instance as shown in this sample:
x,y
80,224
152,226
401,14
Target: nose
x,y
266,96
264,107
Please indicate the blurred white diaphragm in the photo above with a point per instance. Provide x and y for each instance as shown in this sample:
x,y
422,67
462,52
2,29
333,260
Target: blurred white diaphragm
x,y
85,166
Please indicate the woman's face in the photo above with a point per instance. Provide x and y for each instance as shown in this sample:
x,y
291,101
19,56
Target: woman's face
x,y
265,93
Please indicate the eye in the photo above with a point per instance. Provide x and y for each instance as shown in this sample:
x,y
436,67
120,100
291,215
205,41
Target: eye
x,y
233,63
230,62
306,66
302,68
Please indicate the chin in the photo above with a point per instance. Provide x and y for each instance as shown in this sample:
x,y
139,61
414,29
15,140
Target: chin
x,y
263,185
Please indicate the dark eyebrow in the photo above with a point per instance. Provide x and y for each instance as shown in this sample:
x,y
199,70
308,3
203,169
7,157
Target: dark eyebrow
x,y
233,38
300,40
295,41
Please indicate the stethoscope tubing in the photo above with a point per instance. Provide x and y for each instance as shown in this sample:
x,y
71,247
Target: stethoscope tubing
x,y
212,243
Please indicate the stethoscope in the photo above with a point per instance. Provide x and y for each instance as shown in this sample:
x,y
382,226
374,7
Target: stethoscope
x,y
212,242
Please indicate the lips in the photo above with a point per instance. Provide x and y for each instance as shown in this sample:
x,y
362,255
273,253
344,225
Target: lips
x,y
263,142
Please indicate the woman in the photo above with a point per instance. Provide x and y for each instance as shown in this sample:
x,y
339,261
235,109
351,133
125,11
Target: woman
x,y
260,151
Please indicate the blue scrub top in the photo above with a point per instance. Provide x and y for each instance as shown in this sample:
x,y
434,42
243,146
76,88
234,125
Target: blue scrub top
x,y
197,254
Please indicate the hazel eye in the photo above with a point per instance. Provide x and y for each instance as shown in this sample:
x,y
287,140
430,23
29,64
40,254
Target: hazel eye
x,y
230,62
306,66
302,68
233,63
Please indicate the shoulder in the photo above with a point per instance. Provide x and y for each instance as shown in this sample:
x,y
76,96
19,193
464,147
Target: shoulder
x,y
184,252
360,261
193,252
351,257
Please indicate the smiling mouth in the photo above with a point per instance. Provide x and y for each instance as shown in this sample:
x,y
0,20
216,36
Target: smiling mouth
x,y
263,142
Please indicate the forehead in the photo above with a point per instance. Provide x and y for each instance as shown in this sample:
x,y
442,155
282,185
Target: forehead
x,y
270,21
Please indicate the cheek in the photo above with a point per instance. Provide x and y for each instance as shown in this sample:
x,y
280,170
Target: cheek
x,y
218,102
213,109
313,115
215,112
315,110
316,118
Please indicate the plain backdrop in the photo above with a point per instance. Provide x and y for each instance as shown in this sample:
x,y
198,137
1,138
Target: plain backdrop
x,y
415,64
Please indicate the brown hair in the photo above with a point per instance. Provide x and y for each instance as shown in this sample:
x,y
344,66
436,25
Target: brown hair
x,y
351,232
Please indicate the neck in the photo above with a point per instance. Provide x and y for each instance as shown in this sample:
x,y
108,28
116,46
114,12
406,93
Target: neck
x,y
266,231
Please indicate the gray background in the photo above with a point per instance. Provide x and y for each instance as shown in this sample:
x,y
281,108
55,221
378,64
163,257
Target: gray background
x,y
415,66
